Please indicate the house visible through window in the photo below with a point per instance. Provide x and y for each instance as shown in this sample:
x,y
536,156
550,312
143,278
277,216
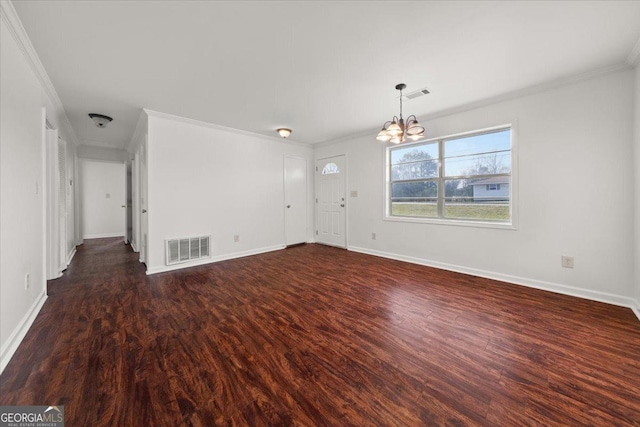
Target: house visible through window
x,y
465,177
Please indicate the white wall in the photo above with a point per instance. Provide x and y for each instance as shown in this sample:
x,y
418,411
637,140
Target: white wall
x,y
575,168
637,185
102,194
206,180
24,103
103,153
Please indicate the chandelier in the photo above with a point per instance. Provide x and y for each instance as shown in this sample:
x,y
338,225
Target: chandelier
x,y
396,130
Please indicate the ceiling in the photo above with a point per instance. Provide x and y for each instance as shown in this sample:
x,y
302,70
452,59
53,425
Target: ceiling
x,y
325,69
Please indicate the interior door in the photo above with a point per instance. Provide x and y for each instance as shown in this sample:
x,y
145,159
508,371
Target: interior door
x,y
128,203
53,205
143,203
295,200
62,203
331,204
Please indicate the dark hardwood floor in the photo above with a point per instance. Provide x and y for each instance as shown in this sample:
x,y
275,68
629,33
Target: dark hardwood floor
x,y
315,335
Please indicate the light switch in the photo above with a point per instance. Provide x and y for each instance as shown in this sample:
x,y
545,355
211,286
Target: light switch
x,y
354,193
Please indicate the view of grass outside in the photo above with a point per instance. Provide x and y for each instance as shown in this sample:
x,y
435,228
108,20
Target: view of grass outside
x,y
470,175
486,212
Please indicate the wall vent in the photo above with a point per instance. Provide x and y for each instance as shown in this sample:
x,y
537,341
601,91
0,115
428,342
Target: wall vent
x,y
187,249
418,93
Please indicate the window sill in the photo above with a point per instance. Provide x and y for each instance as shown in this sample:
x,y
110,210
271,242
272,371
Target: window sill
x,y
453,222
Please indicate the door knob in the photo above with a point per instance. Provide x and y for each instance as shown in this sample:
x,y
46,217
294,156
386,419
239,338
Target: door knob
x,y
288,206
124,206
342,205
144,211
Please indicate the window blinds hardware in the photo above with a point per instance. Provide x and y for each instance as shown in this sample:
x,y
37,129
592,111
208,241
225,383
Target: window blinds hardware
x,y
186,249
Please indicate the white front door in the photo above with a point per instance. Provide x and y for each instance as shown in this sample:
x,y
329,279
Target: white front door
x,y
295,200
331,201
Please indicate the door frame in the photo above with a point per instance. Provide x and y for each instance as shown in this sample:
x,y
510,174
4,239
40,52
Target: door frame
x,y
346,203
51,195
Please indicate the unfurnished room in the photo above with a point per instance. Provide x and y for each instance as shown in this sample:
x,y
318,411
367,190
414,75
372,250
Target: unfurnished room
x,y
319,213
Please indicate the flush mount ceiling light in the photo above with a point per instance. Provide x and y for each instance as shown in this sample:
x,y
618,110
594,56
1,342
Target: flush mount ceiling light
x,y
284,132
396,130
100,119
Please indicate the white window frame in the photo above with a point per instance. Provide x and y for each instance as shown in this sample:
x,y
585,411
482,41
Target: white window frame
x,y
513,193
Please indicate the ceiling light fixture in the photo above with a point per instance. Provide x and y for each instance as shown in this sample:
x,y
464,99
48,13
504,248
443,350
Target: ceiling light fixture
x,y
284,132
100,119
396,130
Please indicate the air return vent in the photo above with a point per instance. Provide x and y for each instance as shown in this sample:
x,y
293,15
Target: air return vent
x,y
188,249
418,93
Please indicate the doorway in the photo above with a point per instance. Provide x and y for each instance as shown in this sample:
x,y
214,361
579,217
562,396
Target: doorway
x,y
331,174
103,199
295,200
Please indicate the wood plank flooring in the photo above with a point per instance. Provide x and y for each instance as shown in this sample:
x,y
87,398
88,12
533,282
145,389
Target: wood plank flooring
x,y
314,335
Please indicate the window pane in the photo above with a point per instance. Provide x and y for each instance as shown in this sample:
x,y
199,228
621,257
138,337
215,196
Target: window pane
x,y
330,168
414,153
479,164
414,170
471,199
414,198
483,143
483,154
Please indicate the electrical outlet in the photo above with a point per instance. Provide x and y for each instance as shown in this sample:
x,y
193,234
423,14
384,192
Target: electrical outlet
x,y
236,238
567,261
354,193
373,236
26,281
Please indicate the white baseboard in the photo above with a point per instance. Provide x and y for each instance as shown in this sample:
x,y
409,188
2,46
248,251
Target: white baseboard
x,y
605,297
636,308
71,255
218,258
102,236
134,247
18,334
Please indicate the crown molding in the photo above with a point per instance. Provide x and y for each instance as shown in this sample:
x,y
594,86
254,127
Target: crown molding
x,y
200,123
633,60
508,96
10,17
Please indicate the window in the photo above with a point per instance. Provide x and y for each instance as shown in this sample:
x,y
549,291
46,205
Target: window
x,y
463,177
330,168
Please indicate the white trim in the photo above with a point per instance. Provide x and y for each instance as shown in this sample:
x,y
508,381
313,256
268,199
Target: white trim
x,y
605,297
10,16
636,307
133,246
633,60
200,123
102,236
218,258
71,255
18,334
